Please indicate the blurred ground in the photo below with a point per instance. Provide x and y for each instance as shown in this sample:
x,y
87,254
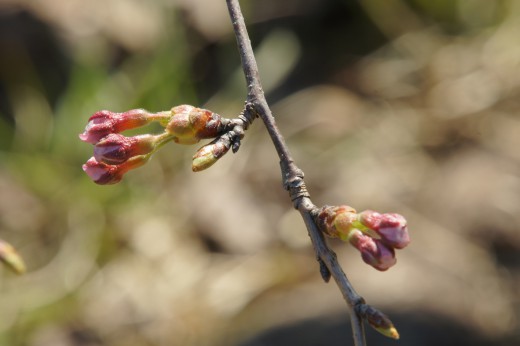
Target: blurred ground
x,y
404,106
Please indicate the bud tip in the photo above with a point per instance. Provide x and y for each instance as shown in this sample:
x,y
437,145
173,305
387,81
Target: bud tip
x,y
11,258
389,332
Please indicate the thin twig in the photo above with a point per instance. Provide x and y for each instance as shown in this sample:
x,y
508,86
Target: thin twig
x,y
293,176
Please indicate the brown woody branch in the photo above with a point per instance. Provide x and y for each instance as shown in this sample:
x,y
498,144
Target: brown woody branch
x,y
257,106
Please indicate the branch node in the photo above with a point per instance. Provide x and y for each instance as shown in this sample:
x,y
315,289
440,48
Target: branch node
x,y
248,115
293,182
324,271
298,190
236,136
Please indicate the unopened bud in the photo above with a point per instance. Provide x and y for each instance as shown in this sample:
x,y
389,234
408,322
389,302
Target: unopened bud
x,y
373,251
370,219
104,174
336,221
375,235
115,148
190,124
390,332
390,228
11,258
105,122
394,231
380,322
206,156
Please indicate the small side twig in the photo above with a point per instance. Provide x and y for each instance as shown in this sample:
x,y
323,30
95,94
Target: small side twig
x,y
292,175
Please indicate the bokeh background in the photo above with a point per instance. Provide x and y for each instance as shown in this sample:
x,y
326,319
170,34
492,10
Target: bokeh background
x,y
409,106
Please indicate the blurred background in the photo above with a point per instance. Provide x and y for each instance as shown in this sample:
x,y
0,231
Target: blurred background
x,y
408,106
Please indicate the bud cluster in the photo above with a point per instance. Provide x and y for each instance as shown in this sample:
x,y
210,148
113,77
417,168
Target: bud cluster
x,y
116,154
375,235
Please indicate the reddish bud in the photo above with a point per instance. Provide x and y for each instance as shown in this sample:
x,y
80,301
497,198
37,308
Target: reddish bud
x,y
206,156
105,122
370,219
104,174
394,231
373,251
391,228
190,124
375,235
115,148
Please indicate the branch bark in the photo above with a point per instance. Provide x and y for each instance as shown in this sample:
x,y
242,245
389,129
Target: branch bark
x,y
257,106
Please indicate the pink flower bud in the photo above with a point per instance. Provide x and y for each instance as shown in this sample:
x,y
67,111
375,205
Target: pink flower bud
x,y
370,219
104,174
373,251
115,148
393,230
105,122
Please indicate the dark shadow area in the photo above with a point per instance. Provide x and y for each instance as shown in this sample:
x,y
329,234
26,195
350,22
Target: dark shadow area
x,y
415,329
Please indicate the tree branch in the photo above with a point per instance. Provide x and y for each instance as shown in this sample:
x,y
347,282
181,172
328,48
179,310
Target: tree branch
x,y
116,154
292,176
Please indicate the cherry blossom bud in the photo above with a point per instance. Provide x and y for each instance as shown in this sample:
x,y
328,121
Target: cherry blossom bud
x,y
370,219
115,148
11,258
206,156
190,124
373,251
394,231
104,174
390,227
105,122
375,235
